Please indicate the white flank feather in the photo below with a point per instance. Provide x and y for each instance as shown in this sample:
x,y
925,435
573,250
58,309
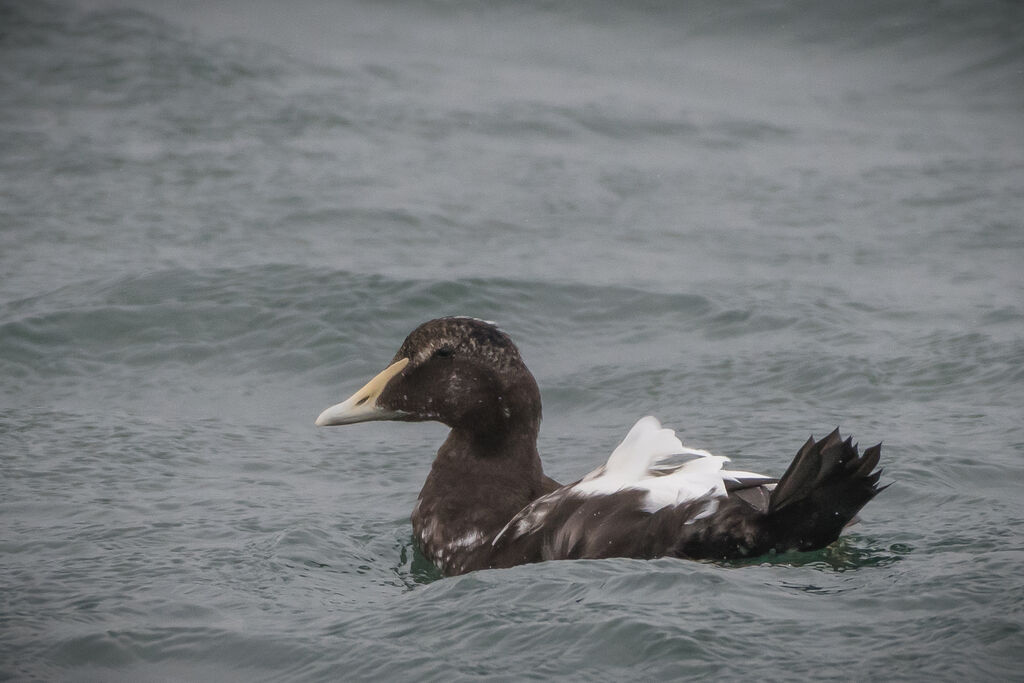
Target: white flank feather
x,y
695,479
647,443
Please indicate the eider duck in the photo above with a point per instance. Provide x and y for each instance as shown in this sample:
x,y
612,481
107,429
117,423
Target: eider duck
x,y
488,504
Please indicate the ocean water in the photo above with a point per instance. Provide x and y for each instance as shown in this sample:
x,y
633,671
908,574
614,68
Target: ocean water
x,y
757,221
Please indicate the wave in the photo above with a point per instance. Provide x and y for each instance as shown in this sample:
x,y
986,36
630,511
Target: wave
x,y
976,47
291,322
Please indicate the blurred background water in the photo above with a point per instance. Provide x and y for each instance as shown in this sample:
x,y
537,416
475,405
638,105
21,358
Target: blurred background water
x,y
754,220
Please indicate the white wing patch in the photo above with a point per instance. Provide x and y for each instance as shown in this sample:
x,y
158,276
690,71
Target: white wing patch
x,y
645,444
633,465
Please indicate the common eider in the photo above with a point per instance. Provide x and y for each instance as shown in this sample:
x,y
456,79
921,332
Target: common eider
x,y
488,504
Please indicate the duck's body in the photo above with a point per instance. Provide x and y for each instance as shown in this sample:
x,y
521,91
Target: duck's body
x,y
487,503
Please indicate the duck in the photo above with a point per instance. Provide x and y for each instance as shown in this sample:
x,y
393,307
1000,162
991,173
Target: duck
x,y
487,503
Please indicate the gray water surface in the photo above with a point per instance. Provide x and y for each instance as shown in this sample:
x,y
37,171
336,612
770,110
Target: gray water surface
x,y
755,222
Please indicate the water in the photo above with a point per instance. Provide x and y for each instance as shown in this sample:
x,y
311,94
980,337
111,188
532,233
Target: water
x,y
755,222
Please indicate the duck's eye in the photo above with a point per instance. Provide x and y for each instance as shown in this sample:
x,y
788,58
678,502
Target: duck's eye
x,y
445,352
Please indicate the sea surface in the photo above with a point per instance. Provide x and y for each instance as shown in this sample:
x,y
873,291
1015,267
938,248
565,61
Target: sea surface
x,y
755,220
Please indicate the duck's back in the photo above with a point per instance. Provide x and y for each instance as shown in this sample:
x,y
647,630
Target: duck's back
x,y
696,511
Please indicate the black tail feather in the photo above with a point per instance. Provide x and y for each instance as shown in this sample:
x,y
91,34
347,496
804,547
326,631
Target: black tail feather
x,y
824,487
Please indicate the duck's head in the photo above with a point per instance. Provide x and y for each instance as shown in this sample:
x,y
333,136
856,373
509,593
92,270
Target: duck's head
x,y
463,372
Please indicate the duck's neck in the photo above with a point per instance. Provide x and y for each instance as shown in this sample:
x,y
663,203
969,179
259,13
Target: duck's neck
x,y
508,459
477,484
